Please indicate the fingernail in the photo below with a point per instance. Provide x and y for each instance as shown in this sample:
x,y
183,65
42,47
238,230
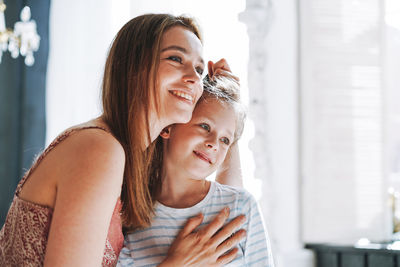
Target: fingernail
x,y
226,210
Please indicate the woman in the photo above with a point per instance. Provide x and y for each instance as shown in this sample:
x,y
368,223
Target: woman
x,y
66,209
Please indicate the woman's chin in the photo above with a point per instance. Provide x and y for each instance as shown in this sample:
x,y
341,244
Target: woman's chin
x,y
183,117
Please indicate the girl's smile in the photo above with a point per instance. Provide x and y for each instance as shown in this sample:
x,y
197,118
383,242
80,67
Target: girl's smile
x,y
203,156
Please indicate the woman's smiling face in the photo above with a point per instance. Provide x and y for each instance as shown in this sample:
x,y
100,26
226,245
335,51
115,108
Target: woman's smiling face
x,y
179,77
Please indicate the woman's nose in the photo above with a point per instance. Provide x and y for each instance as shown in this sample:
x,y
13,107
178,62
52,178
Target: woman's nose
x,y
192,76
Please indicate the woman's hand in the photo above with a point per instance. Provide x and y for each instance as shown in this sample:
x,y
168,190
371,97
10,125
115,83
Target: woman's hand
x,y
222,68
210,246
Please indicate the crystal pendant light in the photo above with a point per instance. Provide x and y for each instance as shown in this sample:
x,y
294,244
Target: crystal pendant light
x,y
23,40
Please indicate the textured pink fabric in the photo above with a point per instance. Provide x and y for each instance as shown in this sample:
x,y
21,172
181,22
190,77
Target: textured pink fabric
x,y
23,237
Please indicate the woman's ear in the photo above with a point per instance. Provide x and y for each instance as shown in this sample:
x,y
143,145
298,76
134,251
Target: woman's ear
x,y
165,133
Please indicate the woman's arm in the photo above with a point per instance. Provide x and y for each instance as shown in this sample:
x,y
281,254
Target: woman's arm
x,y
230,171
91,165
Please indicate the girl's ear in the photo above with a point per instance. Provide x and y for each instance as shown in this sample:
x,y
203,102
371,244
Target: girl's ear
x,y
165,133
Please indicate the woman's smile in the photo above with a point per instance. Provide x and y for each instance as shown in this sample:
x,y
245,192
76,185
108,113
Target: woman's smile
x,y
184,96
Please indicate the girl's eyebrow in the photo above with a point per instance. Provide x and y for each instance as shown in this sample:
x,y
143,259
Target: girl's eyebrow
x,y
179,48
230,134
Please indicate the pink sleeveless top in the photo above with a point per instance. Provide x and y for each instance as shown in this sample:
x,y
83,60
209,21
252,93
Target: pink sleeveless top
x,y
23,237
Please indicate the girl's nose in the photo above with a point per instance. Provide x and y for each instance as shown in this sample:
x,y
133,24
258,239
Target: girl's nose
x,y
211,144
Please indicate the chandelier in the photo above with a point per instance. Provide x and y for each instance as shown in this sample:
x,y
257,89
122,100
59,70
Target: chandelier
x,y
23,40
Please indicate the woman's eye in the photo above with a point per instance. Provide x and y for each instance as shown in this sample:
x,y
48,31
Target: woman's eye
x,y
176,59
205,126
225,141
200,71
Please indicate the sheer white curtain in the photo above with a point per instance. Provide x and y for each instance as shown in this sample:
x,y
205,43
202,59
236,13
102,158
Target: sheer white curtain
x,y
392,96
343,144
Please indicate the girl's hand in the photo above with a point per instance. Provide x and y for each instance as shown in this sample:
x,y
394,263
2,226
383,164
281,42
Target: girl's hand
x,y
222,68
210,246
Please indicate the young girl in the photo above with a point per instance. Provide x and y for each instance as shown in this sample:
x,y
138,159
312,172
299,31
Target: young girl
x,y
67,210
191,152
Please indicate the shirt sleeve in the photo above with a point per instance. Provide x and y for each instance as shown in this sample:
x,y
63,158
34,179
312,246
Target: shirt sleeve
x,y
256,246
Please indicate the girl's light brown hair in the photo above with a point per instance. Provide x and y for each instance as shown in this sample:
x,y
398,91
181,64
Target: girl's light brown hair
x,y
128,92
226,90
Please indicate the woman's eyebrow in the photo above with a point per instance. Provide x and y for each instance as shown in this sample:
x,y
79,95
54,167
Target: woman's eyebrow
x,y
175,47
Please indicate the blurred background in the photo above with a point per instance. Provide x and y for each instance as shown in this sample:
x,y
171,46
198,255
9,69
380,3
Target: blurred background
x,y
321,147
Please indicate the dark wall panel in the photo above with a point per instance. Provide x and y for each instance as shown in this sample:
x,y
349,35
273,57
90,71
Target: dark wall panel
x,y
353,260
327,259
22,103
381,260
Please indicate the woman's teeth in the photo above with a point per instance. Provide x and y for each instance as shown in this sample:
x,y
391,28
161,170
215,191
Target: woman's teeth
x,y
183,95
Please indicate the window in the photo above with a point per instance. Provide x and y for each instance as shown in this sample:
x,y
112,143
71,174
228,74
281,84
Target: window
x,y
349,131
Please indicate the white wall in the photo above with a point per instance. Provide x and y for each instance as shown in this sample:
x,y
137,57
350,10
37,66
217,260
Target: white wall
x,y
80,33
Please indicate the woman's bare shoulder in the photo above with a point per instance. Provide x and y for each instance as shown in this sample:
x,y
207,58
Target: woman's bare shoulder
x,y
92,137
95,144
83,159
90,156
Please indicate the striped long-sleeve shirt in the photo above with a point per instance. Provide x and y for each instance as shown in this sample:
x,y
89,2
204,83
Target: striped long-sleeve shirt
x,y
149,246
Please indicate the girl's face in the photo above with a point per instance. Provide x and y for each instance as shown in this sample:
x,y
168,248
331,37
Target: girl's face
x,y
179,77
199,147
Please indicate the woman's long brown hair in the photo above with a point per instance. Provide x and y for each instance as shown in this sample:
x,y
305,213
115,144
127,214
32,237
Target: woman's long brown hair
x,y
128,92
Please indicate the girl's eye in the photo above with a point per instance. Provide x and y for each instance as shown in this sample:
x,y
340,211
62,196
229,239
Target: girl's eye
x,y
225,141
175,58
205,126
200,70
